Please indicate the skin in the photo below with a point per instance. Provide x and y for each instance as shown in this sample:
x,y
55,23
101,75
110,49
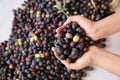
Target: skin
x,y
95,55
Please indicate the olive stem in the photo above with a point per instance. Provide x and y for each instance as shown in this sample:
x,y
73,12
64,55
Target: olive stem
x,y
60,8
93,3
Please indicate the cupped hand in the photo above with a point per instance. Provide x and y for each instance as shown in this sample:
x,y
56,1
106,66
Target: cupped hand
x,y
91,30
85,60
86,24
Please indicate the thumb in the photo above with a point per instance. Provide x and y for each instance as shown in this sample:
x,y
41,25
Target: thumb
x,y
55,53
72,19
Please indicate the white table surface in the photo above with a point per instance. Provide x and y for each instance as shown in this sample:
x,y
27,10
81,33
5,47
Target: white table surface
x,y
6,16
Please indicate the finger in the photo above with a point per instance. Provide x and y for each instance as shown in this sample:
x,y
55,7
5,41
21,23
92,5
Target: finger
x,y
72,19
67,21
57,56
55,53
60,29
57,35
79,64
74,66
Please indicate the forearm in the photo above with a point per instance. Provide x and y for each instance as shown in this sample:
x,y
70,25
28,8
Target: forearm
x,y
107,60
109,25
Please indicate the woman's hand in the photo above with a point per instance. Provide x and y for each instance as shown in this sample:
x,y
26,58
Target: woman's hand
x,y
86,24
96,30
84,61
87,58
95,55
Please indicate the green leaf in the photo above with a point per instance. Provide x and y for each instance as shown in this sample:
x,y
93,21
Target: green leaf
x,y
59,12
58,3
64,4
56,6
59,7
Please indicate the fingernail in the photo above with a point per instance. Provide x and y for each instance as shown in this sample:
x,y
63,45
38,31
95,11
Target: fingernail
x,y
64,24
53,48
59,29
56,36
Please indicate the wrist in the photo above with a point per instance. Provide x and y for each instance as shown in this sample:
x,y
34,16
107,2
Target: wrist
x,y
98,31
98,56
94,54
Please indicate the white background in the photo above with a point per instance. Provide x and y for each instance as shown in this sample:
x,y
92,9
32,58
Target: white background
x,y
6,16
